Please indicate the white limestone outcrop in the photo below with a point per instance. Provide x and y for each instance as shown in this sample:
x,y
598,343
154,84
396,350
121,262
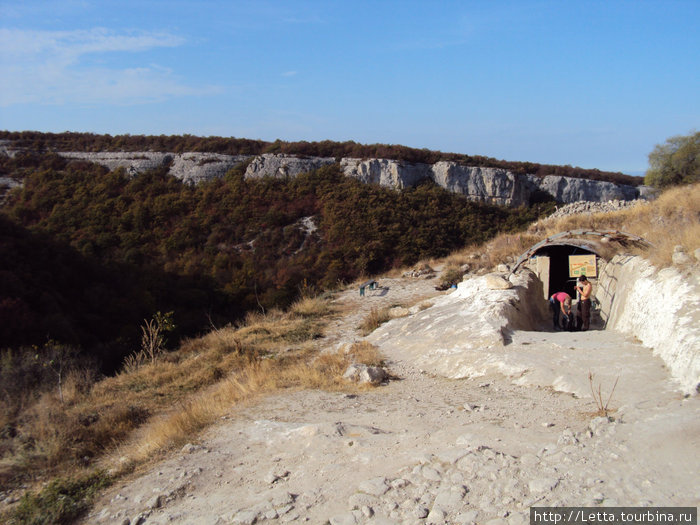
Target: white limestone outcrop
x,y
476,317
493,185
133,162
388,173
281,166
569,189
192,167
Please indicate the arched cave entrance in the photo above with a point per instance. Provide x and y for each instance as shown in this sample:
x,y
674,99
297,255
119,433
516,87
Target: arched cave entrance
x,y
558,278
559,259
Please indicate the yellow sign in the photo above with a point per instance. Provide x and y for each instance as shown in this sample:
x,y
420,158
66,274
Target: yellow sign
x,y
582,265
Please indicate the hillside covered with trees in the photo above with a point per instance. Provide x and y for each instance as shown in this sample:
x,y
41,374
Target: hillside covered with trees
x,y
88,254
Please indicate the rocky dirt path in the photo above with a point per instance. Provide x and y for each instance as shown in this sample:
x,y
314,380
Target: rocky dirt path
x,y
429,450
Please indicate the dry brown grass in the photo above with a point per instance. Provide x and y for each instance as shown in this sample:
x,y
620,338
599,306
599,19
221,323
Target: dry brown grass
x,y
672,219
302,369
366,353
140,413
373,320
310,307
54,437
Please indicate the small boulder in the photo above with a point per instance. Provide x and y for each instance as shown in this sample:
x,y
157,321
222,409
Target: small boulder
x,y
374,487
497,282
360,373
679,256
245,517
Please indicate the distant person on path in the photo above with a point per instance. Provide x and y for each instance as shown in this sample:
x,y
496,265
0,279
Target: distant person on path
x,y
560,302
584,287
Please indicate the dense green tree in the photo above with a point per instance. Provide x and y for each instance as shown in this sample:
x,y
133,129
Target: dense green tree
x,y
677,161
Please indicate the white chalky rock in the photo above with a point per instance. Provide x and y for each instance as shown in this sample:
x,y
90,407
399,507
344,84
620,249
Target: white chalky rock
x,y
451,456
436,517
245,517
343,519
374,487
360,499
539,485
450,500
497,282
282,499
466,518
430,474
360,373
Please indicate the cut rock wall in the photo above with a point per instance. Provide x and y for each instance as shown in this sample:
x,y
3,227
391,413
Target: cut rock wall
x,y
463,332
660,308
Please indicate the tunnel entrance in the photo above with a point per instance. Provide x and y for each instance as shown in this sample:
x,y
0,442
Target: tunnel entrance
x,y
558,278
550,258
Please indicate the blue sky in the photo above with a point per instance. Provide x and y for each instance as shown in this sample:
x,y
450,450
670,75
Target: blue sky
x,y
587,83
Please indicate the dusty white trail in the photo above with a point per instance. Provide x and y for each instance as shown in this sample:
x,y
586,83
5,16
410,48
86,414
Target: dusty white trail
x,y
426,449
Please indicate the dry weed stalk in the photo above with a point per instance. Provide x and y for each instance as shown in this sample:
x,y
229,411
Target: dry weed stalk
x,y
603,408
152,341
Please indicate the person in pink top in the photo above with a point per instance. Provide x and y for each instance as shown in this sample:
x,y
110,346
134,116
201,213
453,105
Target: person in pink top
x,y
560,302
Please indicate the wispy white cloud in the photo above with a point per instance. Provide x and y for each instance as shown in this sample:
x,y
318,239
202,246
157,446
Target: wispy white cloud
x,y
306,19
290,73
50,67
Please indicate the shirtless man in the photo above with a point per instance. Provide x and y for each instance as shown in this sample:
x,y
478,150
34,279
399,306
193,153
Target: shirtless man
x,y
584,287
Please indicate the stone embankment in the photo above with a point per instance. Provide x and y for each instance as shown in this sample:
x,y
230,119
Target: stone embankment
x,y
494,185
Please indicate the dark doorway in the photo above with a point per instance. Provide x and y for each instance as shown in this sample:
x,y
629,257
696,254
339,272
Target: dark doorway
x,y
559,280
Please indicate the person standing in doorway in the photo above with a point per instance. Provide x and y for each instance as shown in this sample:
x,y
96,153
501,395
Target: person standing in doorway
x,y
584,288
560,302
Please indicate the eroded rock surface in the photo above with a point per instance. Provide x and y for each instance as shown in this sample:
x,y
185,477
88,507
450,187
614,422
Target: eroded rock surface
x,y
493,185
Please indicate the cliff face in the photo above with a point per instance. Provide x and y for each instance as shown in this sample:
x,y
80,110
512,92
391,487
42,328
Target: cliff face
x,y
483,184
280,166
191,168
494,185
567,189
388,173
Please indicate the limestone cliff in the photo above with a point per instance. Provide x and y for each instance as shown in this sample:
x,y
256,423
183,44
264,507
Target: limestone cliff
x,y
494,185
280,166
389,173
188,167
